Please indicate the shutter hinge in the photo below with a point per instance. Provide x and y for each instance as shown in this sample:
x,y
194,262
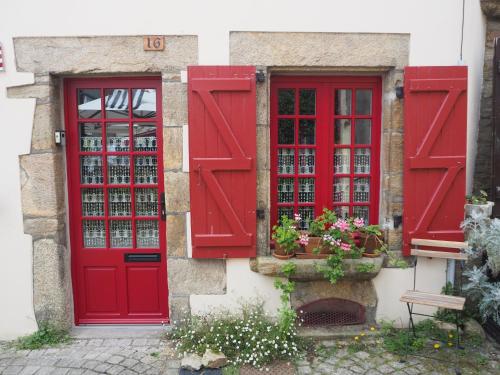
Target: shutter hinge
x,y
260,213
260,76
400,92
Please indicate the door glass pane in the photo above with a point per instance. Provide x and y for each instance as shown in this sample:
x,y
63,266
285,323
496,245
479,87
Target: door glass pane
x,y
361,189
121,233
362,160
307,132
307,102
343,132
341,160
119,202
145,170
285,190
146,202
341,188
307,160
91,170
94,233
286,101
147,233
288,211
145,137
144,103
118,169
92,202
306,190
307,215
286,161
363,102
286,132
89,103
90,137
363,212
343,102
363,131
116,103
117,137
341,211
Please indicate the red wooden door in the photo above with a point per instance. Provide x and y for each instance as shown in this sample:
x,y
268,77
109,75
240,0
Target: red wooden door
x,y
115,180
435,135
222,156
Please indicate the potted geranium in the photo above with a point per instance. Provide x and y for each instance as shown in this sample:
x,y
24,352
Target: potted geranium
x,y
313,239
478,205
285,236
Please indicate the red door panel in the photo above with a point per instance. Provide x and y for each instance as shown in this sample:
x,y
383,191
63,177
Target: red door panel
x,y
435,150
222,152
117,223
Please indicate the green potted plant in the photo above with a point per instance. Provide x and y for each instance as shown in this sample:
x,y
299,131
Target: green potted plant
x,y
285,236
312,240
478,205
370,239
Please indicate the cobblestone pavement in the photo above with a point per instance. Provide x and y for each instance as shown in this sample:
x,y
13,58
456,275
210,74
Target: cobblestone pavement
x,y
155,356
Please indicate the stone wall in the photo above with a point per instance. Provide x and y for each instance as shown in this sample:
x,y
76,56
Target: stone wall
x,y
43,170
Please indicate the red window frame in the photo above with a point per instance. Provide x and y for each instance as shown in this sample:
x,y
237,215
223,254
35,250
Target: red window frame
x,y
325,146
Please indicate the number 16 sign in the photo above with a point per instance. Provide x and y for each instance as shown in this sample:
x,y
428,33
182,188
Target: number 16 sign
x,y
154,43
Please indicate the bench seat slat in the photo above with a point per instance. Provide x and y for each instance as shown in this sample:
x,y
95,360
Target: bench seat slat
x,y
436,300
438,243
438,254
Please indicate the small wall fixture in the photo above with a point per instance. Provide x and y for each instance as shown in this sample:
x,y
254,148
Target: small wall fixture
x,y
260,76
400,92
60,137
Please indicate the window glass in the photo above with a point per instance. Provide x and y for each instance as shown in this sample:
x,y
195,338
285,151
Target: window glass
x,y
307,100
286,102
363,102
89,103
286,131
363,131
307,132
343,99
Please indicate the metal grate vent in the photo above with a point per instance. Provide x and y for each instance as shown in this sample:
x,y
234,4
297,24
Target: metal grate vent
x,y
331,312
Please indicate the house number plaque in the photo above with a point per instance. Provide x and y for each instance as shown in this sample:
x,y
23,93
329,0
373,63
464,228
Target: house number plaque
x,y
154,43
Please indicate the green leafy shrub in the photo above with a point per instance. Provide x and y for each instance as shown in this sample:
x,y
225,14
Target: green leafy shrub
x,y
286,234
46,336
365,267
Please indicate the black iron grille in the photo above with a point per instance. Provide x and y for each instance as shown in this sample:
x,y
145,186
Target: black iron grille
x,y
331,312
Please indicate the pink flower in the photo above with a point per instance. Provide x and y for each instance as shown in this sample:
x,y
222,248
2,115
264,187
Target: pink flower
x,y
304,239
359,222
345,246
297,217
342,225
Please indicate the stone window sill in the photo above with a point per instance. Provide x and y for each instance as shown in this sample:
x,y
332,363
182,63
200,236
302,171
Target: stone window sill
x,y
306,268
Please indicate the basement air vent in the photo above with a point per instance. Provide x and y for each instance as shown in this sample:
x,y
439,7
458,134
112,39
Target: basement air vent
x,y
331,312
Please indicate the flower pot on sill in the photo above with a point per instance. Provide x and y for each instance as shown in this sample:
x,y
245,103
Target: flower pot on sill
x,y
315,243
281,253
480,210
371,243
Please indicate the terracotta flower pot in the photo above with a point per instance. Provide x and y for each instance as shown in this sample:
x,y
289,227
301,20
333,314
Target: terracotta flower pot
x,y
316,242
371,243
281,253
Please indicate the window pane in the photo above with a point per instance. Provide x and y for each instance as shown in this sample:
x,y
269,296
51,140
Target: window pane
x,y
145,170
286,161
118,170
121,233
144,103
117,137
341,160
92,202
363,212
307,160
90,137
341,211
307,101
307,214
288,211
343,132
119,202
362,160
147,233
363,131
286,132
363,102
89,103
145,137
343,102
146,202
341,188
361,189
285,190
116,103
306,190
307,132
286,102
94,233
91,170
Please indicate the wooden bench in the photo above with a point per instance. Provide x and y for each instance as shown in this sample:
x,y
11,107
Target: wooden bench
x,y
436,300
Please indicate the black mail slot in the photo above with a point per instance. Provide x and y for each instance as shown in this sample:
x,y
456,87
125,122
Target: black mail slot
x,y
155,257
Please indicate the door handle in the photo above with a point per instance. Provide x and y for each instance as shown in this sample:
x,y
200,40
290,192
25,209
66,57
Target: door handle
x,y
163,213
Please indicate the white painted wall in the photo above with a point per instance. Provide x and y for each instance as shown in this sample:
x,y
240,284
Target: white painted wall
x,y
435,40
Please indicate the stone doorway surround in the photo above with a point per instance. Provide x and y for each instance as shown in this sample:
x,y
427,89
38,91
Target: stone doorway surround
x,y
43,170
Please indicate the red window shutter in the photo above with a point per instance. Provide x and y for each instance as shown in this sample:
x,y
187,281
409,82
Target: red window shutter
x,y
435,136
222,161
